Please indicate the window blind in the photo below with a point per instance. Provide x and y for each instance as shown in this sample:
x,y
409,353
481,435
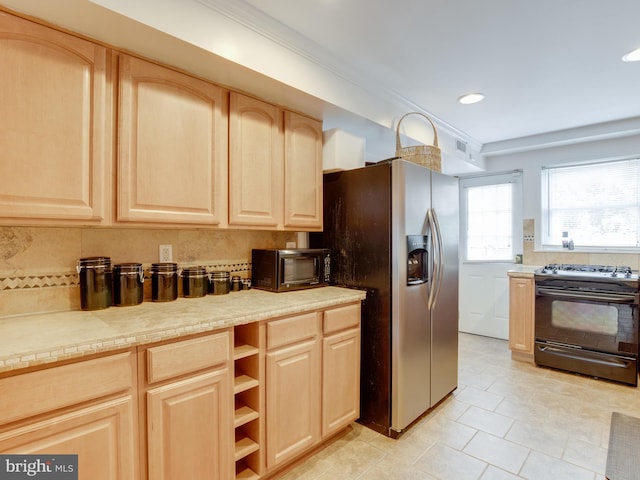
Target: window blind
x,y
597,204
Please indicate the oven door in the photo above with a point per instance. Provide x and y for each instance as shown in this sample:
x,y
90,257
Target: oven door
x,y
587,331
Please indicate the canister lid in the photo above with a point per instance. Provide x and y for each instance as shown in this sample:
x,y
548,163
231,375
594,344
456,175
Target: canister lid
x,y
94,262
194,272
128,267
220,275
164,267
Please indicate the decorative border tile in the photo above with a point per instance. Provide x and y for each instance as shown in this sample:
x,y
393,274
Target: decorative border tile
x,y
65,279
39,281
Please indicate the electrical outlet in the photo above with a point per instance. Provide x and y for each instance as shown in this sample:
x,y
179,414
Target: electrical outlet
x,y
165,253
291,245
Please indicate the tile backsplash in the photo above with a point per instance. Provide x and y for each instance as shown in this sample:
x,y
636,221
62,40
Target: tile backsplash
x,y
38,264
532,257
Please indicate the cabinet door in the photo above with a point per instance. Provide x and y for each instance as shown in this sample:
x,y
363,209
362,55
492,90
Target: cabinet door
x,y
172,147
54,128
190,429
255,163
340,381
521,314
302,172
103,436
293,401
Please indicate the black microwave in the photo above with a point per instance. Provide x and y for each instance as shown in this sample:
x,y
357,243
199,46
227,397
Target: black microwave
x,y
283,270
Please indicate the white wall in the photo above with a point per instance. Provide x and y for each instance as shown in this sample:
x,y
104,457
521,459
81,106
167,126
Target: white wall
x,y
531,161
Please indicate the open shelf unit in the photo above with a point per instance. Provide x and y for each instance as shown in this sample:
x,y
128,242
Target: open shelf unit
x,y
248,393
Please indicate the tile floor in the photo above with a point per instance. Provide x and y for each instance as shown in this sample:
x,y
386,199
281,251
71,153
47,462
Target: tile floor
x,y
507,420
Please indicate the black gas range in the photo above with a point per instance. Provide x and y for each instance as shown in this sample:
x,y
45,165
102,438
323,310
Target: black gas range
x,y
586,320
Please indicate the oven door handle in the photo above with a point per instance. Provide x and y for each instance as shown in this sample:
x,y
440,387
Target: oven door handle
x,y
605,297
611,361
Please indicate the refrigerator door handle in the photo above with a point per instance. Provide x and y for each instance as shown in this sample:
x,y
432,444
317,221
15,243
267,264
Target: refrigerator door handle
x,y
434,261
440,256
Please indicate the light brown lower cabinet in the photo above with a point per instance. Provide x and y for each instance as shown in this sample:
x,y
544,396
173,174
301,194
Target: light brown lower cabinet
x,y
86,408
189,409
340,368
187,425
521,317
312,380
293,387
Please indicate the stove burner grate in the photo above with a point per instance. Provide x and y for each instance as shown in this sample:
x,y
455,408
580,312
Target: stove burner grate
x,y
586,268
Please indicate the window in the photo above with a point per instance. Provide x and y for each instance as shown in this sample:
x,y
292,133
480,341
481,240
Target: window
x,y
489,218
595,205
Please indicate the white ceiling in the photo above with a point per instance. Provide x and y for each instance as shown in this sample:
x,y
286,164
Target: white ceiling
x,y
551,69
544,65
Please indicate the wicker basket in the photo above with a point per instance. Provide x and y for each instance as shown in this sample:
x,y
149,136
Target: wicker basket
x,y
425,155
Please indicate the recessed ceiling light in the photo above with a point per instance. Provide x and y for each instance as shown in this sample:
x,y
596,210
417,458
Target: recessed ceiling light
x,y
632,56
471,98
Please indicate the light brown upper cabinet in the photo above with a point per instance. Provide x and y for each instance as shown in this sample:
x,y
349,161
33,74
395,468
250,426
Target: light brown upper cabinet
x,y
275,167
255,163
55,127
172,147
302,172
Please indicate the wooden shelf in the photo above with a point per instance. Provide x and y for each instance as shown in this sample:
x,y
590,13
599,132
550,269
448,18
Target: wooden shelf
x,y
242,351
244,382
244,415
244,447
247,474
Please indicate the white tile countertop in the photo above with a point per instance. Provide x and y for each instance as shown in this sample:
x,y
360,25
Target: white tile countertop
x,y
30,340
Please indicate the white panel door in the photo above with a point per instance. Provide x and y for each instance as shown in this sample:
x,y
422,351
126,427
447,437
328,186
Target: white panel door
x,y
490,238
484,299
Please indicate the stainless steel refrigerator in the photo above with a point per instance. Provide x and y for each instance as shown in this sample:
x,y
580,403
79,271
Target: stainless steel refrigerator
x,y
392,228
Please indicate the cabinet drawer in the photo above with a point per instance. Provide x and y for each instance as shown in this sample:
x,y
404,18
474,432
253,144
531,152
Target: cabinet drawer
x,y
167,361
341,318
293,329
52,388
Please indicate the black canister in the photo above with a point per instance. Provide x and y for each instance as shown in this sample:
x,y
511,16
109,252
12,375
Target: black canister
x,y
219,283
128,279
236,283
164,281
195,282
95,282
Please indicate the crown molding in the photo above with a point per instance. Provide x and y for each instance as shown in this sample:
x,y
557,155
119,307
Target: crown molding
x,y
272,30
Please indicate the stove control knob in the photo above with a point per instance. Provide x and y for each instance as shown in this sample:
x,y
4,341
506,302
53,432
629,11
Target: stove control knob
x,y
614,274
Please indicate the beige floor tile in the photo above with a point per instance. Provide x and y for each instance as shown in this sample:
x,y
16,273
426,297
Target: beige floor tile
x,y
452,408
443,430
445,462
486,421
497,451
587,455
543,467
479,398
390,469
494,473
536,436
